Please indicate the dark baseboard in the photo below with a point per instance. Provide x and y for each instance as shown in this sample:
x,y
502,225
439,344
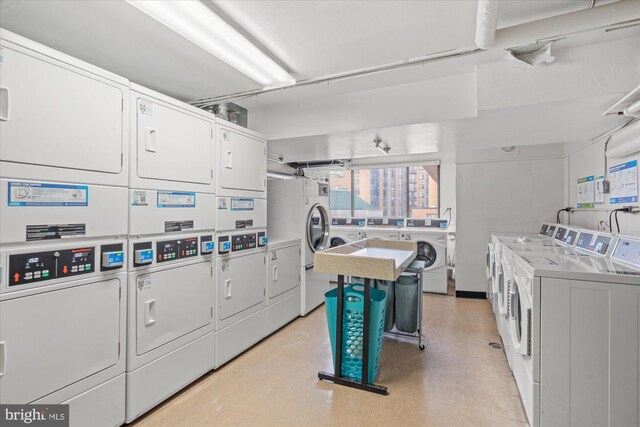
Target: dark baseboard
x,y
471,294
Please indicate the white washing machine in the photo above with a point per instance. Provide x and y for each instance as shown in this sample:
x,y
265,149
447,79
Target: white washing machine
x,y
240,296
299,208
571,316
382,228
432,249
345,230
170,325
63,222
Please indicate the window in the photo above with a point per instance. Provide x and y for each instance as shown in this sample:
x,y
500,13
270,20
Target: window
x,y
387,192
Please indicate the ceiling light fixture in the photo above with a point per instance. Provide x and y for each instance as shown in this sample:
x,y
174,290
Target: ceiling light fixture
x,y
200,25
383,148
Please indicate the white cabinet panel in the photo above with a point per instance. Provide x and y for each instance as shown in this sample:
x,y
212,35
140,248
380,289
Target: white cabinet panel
x,y
54,339
59,116
171,303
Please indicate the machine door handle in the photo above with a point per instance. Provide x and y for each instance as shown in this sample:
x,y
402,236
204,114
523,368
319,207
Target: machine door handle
x,y
228,159
227,285
275,273
149,312
3,357
150,141
4,104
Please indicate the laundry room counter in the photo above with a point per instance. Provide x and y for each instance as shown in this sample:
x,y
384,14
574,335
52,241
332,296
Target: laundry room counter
x,y
371,258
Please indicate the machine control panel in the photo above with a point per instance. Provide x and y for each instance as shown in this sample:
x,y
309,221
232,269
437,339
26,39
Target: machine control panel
x,y
263,240
429,223
593,242
207,245
628,250
143,256
566,235
385,222
548,230
40,266
171,250
224,245
348,221
242,242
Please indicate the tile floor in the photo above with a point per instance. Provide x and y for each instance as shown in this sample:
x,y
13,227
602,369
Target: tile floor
x,y
459,380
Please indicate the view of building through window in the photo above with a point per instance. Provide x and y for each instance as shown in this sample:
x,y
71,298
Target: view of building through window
x,y
386,192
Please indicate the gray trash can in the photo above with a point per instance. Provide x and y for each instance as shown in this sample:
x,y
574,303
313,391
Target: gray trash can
x,y
407,293
389,315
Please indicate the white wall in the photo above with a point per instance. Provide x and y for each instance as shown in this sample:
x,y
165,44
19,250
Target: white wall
x,y
589,160
502,193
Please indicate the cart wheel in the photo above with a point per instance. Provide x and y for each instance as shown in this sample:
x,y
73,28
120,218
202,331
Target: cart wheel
x,y
421,346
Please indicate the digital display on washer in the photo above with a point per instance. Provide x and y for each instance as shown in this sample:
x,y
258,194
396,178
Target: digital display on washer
x,y
594,242
171,250
543,230
628,250
40,266
243,242
385,222
347,221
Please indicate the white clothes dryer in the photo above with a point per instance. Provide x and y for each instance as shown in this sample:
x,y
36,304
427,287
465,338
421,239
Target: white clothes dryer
x,y
299,208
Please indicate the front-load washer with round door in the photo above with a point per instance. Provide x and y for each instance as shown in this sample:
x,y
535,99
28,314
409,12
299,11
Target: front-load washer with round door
x,y
299,208
345,230
432,249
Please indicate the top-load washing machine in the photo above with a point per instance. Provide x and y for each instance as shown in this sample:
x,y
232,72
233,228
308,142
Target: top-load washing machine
x,y
63,224
345,230
170,325
299,208
431,237
575,316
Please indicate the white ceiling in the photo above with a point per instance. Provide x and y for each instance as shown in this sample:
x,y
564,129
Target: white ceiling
x,y
317,38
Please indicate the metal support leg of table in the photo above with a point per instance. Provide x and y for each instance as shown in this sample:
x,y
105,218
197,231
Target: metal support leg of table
x,y
337,377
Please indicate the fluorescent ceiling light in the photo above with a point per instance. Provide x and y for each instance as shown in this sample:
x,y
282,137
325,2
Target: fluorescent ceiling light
x,y
200,25
383,148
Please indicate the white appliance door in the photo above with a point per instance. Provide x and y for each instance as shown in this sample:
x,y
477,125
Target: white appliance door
x,y
432,254
284,270
521,315
53,339
172,303
317,231
241,283
243,161
173,144
55,115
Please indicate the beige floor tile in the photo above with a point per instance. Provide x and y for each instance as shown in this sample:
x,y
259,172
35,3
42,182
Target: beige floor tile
x,y
459,380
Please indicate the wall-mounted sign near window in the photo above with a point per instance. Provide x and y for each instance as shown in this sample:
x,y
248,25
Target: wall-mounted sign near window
x,y
624,183
586,192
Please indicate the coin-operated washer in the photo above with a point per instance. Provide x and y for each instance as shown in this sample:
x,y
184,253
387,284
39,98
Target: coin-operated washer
x,y
241,271
171,225
63,224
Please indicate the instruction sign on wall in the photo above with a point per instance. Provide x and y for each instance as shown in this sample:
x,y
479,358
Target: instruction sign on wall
x,y
586,192
624,183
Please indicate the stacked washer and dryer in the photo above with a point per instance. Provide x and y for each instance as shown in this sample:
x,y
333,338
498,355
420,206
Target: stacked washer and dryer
x,y
299,209
241,238
567,315
171,225
63,227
